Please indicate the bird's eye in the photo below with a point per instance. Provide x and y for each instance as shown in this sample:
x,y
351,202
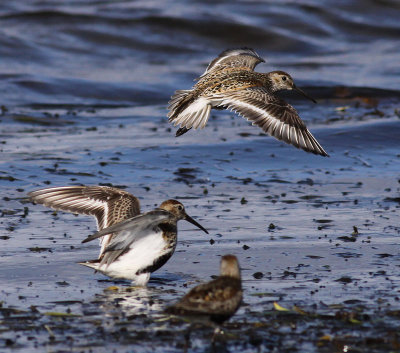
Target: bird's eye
x,y
180,207
284,78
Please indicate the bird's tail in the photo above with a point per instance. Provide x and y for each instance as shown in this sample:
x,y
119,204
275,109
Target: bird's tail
x,y
181,131
188,111
94,264
179,101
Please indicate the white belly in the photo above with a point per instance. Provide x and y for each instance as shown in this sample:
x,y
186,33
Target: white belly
x,y
142,254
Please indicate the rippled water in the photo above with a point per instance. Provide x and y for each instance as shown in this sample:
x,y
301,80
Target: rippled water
x,y
84,87
94,52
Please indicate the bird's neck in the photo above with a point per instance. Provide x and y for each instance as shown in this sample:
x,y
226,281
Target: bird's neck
x,y
269,83
169,229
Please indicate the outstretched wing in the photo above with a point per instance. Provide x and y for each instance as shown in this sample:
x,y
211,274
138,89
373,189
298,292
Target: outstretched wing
x,y
107,204
276,117
127,232
246,58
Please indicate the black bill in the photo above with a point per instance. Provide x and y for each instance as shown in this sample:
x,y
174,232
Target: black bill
x,y
304,94
191,220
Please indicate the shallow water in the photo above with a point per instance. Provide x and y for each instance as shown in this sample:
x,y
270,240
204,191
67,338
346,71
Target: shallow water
x,y
84,85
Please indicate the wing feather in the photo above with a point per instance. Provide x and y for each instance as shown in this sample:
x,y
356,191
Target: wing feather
x,y
90,200
273,115
108,205
127,232
242,57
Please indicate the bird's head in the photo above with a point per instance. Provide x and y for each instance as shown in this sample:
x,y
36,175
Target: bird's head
x,y
230,266
281,80
178,210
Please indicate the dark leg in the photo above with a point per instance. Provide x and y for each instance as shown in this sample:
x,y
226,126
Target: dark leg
x,y
218,331
218,342
181,131
187,339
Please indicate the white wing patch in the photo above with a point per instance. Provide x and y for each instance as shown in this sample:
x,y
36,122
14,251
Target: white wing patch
x,y
72,200
58,199
300,138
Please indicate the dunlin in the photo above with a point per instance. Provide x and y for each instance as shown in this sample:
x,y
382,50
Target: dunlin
x,y
216,300
142,244
230,82
107,204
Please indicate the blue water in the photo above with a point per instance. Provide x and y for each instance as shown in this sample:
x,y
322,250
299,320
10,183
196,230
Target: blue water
x,y
84,87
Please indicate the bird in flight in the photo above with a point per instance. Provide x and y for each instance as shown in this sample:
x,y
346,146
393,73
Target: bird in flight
x,y
230,82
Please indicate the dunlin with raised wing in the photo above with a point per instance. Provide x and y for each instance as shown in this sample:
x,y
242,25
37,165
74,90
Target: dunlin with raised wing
x,y
142,244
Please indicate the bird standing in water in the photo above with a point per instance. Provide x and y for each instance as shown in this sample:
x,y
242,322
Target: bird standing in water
x,y
142,244
133,245
214,301
230,82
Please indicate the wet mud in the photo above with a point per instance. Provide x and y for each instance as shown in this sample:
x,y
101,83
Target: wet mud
x,y
317,238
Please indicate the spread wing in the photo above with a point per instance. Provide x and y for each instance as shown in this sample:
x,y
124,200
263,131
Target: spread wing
x,y
246,58
108,205
127,232
276,117
221,296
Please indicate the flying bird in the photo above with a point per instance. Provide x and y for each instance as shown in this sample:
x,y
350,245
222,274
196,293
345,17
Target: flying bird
x,y
230,82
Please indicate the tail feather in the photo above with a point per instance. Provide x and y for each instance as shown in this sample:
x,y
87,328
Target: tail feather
x,y
195,115
188,111
181,131
179,101
94,264
202,121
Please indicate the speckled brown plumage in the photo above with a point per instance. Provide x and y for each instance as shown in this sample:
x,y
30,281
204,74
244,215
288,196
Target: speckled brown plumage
x,y
107,204
230,82
216,300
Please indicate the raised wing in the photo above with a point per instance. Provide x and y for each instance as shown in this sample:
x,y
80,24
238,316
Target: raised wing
x,y
129,231
276,117
246,58
107,204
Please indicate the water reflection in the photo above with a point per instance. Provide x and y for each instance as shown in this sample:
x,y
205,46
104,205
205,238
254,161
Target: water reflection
x,y
132,301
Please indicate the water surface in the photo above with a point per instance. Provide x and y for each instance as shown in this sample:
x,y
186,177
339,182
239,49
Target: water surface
x,y
84,88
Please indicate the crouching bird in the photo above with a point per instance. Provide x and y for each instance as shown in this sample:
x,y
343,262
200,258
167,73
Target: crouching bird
x,y
215,301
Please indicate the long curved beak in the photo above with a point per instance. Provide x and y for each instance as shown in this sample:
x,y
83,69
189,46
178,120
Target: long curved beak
x,y
304,93
191,220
